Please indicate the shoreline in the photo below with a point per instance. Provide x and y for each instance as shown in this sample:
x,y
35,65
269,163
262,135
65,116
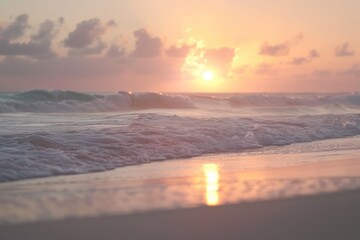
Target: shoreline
x,y
328,216
303,147
179,184
334,155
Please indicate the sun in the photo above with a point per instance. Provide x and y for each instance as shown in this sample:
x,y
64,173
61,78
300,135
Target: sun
x,y
208,75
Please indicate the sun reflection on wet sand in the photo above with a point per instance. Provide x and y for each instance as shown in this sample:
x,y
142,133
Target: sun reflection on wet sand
x,y
211,173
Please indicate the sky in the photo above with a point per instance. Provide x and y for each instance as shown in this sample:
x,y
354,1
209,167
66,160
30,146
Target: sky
x,y
180,46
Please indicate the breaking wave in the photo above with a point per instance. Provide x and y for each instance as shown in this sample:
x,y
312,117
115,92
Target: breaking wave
x,y
154,137
40,145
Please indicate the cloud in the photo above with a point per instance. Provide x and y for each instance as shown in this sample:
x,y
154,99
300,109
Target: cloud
x,y
146,46
178,51
159,67
302,60
77,71
297,39
353,71
275,50
299,60
280,49
15,29
314,54
114,64
344,50
219,58
58,72
116,51
87,33
198,59
31,49
39,44
346,80
322,73
89,74
265,69
98,48
239,71
220,55
47,31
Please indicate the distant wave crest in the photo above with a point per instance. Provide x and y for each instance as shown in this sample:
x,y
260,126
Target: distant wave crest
x,y
54,96
280,100
70,101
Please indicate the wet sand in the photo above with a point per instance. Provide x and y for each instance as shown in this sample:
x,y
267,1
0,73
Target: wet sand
x,y
332,216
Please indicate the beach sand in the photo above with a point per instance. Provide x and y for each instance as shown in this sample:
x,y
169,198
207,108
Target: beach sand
x,y
210,197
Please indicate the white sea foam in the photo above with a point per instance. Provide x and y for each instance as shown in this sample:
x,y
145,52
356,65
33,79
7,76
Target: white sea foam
x,y
39,145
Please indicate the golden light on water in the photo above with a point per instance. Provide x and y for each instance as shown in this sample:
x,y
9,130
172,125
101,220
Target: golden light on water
x,y
211,173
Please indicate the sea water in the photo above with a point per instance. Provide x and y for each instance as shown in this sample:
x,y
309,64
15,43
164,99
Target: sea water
x,y
48,133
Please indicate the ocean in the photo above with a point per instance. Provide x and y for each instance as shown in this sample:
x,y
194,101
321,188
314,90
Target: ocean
x,y
48,133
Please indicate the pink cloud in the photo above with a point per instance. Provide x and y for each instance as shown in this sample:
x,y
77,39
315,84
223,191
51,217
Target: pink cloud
x,y
178,52
344,50
146,46
276,50
220,58
87,33
15,29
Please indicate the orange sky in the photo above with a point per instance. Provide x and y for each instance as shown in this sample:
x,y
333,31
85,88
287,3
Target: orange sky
x,y
143,45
